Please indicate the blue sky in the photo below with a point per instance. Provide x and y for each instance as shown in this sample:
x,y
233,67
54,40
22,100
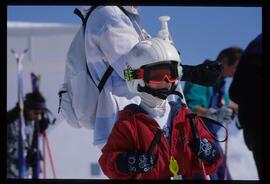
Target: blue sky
x,y
198,32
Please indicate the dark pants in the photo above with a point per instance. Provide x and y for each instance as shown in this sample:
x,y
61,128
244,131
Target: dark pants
x,y
257,154
254,143
251,122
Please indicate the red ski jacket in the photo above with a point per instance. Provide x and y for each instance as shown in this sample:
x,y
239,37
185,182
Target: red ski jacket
x,y
134,131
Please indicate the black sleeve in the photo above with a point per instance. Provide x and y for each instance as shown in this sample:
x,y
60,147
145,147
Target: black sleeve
x,y
246,88
205,74
13,114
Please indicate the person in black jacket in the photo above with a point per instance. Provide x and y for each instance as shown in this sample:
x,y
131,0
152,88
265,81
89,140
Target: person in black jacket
x,y
246,91
34,108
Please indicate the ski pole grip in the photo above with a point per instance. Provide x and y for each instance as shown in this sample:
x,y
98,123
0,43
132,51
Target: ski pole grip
x,y
155,141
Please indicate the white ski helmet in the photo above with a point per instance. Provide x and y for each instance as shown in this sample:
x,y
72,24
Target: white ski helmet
x,y
151,52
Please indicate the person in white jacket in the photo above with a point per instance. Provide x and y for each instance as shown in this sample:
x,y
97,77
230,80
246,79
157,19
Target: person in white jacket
x,y
109,36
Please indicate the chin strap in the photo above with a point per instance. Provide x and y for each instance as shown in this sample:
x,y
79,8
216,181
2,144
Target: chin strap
x,y
160,93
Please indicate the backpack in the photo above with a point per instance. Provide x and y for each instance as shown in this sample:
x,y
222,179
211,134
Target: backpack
x,y
78,82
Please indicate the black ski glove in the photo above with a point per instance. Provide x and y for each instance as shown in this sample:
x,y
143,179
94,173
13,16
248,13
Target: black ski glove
x,y
13,114
33,156
135,162
206,74
205,150
43,124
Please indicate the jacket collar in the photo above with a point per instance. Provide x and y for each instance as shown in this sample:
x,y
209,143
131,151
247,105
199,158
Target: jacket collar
x,y
134,108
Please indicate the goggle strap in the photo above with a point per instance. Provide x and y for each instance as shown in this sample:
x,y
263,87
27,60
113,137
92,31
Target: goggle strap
x,y
179,69
130,74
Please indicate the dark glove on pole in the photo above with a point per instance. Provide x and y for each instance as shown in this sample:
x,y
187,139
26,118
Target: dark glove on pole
x,y
205,150
195,145
135,162
202,147
139,162
43,123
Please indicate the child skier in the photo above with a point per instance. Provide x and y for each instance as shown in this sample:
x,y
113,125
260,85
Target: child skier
x,y
136,148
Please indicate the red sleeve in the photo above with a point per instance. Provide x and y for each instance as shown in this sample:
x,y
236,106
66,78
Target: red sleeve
x,y
120,140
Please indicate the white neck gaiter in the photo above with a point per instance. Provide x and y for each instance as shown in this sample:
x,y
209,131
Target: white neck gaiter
x,y
156,108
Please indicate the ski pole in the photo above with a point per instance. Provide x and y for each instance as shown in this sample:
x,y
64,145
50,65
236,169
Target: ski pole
x,y
21,135
50,155
226,150
44,155
225,159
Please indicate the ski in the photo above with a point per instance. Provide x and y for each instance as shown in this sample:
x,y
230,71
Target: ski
x,y
21,135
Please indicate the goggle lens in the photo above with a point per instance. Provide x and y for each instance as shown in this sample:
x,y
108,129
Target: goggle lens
x,y
160,74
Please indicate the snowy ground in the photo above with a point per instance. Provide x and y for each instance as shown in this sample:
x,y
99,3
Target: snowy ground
x,y
240,160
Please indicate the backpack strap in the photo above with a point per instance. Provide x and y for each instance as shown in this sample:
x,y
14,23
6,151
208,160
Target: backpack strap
x,y
79,14
123,10
84,19
208,120
110,69
194,128
104,77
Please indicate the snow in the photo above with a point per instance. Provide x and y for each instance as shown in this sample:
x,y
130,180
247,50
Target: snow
x,y
240,160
